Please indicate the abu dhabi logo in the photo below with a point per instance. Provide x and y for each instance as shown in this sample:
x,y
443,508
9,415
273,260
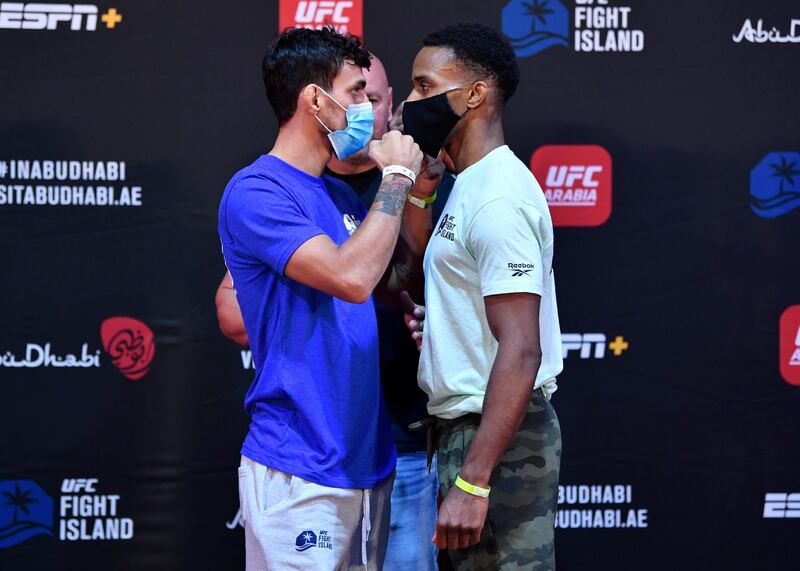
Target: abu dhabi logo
x,y
775,184
130,344
535,25
25,511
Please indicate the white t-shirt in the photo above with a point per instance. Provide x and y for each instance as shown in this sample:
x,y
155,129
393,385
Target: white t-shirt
x,y
495,236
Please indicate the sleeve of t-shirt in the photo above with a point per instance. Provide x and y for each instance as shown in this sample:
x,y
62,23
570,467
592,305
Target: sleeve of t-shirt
x,y
265,222
505,239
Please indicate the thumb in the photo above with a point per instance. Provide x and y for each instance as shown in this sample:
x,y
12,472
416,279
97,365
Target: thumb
x,y
408,304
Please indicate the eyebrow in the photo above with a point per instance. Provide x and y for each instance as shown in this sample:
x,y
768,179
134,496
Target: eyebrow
x,y
418,78
360,84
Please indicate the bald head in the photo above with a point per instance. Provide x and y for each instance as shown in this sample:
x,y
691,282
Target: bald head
x,y
380,95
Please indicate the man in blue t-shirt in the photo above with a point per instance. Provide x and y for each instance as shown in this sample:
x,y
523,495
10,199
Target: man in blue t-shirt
x,y
413,499
305,256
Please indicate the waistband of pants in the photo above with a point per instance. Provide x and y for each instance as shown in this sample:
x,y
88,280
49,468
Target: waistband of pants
x,y
436,426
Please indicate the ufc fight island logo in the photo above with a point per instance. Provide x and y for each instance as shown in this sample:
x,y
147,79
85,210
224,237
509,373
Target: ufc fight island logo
x,y
347,16
38,16
576,180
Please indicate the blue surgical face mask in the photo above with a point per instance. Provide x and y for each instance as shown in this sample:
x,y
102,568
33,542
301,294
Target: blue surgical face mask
x,y
358,133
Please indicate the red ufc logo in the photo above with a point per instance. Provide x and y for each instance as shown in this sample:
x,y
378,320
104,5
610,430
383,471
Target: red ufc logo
x,y
576,180
346,16
790,345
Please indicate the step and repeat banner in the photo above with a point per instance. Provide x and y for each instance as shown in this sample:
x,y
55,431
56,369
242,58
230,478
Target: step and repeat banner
x,y
665,135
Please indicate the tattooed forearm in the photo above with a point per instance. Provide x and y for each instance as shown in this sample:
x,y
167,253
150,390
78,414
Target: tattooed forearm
x,y
391,196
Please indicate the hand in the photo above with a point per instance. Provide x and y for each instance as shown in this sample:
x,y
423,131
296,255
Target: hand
x,y
396,149
414,316
460,521
429,177
396,122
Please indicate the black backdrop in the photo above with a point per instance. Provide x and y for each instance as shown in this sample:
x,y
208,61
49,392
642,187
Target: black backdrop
x,y
694,418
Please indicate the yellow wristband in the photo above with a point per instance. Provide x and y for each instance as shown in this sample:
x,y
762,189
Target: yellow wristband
x,y
470,489
421,202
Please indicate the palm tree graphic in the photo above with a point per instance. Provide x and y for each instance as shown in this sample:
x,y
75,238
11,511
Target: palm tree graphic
x,y
20,500
538,9
786,171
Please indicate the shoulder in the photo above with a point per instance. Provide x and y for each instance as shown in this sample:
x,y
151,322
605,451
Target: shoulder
x,y
257,182
507,185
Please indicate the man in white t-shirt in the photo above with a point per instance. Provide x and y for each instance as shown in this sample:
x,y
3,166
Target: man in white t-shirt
x,y
491,349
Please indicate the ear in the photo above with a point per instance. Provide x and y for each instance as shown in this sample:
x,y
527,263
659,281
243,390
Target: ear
x,y
307,101
390,106
477,95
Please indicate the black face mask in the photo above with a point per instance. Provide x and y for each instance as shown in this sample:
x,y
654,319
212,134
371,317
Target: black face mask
x,y
429,121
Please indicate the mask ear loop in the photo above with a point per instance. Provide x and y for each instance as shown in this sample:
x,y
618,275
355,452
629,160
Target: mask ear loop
x,y
332,99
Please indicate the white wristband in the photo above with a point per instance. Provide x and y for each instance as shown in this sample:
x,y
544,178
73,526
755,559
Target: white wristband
x,y
397,169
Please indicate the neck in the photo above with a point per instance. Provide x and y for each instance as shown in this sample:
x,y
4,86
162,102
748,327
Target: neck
x,y
480,136
301,146
349,166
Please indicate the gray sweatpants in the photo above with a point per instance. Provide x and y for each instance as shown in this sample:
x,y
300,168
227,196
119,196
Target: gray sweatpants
x,y
291,523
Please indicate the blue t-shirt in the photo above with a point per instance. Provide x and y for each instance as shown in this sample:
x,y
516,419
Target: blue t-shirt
x,y
316,405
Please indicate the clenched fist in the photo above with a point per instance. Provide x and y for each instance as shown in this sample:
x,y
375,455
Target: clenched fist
x,y
396,149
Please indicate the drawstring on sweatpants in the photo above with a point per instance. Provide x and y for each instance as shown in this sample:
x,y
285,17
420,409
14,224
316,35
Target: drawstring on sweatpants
x,y
366,527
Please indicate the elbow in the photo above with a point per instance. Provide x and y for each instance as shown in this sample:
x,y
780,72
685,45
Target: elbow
x,y
235,333
231,324
356,294
532,358
354,288
526,355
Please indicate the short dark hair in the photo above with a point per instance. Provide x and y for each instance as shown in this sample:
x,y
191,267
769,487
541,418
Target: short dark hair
x,y
300,56
480,50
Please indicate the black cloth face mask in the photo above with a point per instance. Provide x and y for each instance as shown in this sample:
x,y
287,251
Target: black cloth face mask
x,y
429,121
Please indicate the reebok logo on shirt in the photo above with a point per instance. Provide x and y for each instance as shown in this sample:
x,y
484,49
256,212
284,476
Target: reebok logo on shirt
x,y
519,270
447,227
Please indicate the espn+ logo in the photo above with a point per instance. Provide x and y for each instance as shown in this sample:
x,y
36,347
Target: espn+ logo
x,y
780,506
37,16
344,15
576,180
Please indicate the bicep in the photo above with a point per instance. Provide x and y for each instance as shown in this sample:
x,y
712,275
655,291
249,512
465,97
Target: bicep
x,y
313,264
514,318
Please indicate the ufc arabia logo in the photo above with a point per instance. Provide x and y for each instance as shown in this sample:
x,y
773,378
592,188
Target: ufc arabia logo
x,y
344,15
779,506
576,183
579,179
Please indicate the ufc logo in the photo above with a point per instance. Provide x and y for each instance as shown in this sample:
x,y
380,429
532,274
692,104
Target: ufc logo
x,y
584,343
778,506
318,12
567,176
795,360
21,16
75,485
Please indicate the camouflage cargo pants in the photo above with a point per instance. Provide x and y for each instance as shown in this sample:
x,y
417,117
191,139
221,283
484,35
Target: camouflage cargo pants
x,y
518,533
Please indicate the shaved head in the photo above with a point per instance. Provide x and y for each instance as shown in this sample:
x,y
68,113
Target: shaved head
x,y
379,94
